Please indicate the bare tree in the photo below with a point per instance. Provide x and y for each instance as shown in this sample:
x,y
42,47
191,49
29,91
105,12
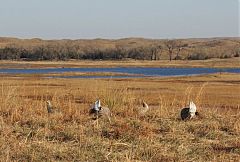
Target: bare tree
x,y
170,44
174,47
154,50
179,46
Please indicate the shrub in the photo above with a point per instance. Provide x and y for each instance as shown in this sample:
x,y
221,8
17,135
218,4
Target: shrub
x,y
178,58
225,56
197,56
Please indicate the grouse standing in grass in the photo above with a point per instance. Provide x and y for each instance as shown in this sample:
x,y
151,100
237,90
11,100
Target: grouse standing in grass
x,y
189,112
143,109
100,111
51,109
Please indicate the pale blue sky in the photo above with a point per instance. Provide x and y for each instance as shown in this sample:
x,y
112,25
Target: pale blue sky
x,y
75,19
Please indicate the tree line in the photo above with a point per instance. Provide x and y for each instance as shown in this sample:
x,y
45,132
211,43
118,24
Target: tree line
x,y
170,49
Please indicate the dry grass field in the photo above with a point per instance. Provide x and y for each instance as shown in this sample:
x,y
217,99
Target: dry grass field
x,y
29,133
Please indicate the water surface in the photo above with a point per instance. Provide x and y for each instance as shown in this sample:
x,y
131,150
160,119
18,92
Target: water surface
x,y
137,71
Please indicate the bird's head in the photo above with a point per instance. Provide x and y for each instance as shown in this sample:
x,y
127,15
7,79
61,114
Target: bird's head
x,y
48,102
145,105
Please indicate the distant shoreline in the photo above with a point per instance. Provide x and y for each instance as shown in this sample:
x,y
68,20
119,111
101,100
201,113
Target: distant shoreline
x,y
214,63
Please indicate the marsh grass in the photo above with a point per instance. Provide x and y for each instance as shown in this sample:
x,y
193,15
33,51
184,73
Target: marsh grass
x,y
29,133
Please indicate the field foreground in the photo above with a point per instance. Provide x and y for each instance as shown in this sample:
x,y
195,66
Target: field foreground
x,y
29,133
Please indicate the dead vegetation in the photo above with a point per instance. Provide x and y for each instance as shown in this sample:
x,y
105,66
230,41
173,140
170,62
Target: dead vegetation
x,y
121,49
29,133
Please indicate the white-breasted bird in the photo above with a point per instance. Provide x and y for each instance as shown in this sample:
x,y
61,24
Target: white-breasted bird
x,y
50,108
143,109
100,111
189,112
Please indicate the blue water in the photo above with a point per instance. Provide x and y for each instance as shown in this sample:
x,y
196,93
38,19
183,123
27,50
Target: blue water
x,y
99,77
144,71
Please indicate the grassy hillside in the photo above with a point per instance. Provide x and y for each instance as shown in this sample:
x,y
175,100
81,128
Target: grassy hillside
x,y
133,48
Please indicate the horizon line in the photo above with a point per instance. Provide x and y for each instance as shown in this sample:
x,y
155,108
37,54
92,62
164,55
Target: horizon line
x,y
120,38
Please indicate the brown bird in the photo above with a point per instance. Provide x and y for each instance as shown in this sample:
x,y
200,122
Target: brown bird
x,y
100,111
189,112
51,109
143,109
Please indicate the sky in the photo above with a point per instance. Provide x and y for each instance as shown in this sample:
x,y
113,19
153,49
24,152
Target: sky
x,y
114,19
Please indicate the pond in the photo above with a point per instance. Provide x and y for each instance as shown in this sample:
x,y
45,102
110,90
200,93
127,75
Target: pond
x,y
133,71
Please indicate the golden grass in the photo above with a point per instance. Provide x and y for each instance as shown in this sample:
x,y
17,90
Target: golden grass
x,y
28,133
